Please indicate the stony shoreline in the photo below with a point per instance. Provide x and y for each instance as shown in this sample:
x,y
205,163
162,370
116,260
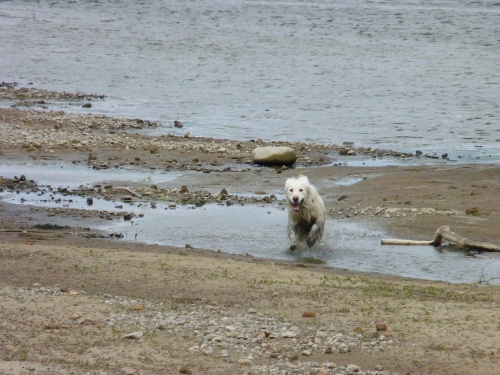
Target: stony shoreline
x,y
75,304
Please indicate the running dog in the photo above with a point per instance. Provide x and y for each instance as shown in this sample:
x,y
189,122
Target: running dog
x,y
306,212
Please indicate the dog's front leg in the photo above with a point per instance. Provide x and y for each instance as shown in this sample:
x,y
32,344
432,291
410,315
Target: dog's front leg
x,y
313,234
293,237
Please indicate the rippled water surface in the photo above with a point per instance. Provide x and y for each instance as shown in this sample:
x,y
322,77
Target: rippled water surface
x,y
401,74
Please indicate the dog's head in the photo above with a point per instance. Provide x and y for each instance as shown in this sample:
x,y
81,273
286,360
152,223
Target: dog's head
x,y
296,191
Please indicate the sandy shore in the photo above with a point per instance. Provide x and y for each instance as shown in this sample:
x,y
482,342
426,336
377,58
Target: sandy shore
x,y
75,304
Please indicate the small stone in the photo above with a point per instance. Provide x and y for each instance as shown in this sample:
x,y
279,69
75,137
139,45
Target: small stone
x,y
251,310
136,307
353,369
224,353
381,327
87,105
185,370
358,330
289,334
178,124
86,322
128,371
309,314
306,353
133,335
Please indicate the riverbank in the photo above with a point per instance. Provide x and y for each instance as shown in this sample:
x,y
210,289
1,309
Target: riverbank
x,y
77,302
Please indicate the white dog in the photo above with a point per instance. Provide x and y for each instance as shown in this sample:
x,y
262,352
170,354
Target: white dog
x,y
306,212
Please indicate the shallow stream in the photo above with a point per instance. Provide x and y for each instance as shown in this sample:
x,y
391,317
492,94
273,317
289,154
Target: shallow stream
x,y
256,230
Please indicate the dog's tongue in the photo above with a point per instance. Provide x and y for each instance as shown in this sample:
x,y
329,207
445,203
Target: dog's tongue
x,y
296,206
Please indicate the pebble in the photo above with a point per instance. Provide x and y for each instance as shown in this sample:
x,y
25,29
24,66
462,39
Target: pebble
x,y
133,335
185,370
128,371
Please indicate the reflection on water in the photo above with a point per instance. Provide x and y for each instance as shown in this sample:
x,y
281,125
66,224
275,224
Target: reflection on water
x,y
72,176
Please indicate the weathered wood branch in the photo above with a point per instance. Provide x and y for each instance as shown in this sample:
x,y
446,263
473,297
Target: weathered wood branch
x,y
130,191
445,234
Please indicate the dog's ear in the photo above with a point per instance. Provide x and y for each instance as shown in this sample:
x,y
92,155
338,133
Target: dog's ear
x,y
287,183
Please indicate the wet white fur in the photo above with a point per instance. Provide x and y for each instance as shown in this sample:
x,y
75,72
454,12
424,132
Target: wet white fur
x,y
308,222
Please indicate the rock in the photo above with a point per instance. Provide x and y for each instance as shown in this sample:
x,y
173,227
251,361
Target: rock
x,y
381,327
274,156
178,124
87,105
90,201
185,370
133,336
309,314
358,330
128,371
353,369
136,307
289,334
347,151
223,193
127,217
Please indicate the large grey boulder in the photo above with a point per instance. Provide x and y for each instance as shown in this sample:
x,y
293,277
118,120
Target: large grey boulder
x,y
274,155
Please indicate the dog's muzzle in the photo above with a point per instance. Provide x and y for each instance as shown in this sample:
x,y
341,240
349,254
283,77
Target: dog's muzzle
x,y
296,203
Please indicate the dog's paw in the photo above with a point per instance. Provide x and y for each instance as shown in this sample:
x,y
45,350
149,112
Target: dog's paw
x,y
311,242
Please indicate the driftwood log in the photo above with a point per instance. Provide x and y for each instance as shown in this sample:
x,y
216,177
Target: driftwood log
x,y
445,234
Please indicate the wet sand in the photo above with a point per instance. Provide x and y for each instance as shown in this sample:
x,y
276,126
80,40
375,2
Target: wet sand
x,y
433,327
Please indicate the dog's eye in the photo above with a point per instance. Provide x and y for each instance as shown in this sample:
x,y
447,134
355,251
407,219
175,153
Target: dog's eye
x,y
291,190
301,190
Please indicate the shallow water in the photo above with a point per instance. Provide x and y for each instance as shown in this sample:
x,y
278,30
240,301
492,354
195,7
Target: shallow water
x,y
260,231
58,174
402,75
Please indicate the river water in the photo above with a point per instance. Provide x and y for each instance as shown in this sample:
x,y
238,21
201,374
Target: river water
x,y
405,75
